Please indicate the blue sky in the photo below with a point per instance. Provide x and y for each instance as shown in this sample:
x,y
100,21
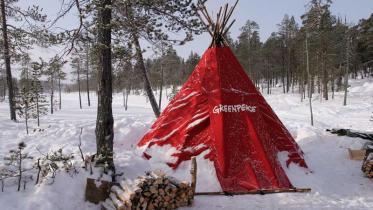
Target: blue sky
x,y
267,13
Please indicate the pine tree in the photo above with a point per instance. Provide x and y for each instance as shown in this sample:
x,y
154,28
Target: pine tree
x,y
23,106
23,37
76,65
124,75
15,161
104,122
54,72
365,42
157,19
287,32
87,52
39,104
191,63
24,97
61,75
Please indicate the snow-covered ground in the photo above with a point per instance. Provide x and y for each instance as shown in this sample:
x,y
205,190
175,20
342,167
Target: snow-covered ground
x,y
336,181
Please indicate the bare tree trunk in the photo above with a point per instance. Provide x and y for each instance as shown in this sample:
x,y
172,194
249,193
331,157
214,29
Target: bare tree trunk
x,y
325,77
124,97
79,87
292,81
161,89
20,169
52,92
268,80
147,85
105,122
27,101
26,117
141,65
283,72
59,93
333,82
37,110
87,75
268,76
346,75
7,63
288,71
4,87
309,79
301,82
128,90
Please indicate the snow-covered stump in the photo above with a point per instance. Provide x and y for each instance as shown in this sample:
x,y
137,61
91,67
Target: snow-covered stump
x,y
153,191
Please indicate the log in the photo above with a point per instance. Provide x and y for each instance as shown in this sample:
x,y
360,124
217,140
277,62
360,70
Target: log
x,y
108,205
119,193
352,133
117,203
297,190
177,183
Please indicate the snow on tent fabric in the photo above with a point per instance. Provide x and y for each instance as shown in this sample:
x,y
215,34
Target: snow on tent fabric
x,y
220,110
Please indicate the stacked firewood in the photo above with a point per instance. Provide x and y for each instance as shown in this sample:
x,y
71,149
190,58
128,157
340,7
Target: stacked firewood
x,y
367,167
153,191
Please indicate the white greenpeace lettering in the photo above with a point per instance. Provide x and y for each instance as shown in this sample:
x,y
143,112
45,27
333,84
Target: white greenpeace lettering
x,y
233,108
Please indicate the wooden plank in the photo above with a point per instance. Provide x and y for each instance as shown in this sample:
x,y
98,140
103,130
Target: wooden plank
x,y
357,154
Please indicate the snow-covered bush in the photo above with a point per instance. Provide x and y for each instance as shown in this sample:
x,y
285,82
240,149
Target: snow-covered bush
x,y
50,164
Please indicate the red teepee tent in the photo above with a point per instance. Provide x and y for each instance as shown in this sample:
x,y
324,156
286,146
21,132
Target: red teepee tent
x,y
220,110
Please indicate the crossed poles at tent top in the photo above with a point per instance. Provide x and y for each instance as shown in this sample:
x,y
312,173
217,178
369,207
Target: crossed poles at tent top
x,y
217,29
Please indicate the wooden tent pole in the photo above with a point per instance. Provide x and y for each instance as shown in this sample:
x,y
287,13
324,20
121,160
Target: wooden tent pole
x,y
261,192
224,21
226,30
217,29
193,172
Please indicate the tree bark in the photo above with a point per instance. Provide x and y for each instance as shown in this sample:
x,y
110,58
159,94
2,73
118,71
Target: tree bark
x,y
52,92
147,85
7,63
104,123
161,89
4,87
128,90
346,75
283,71
19,169
325,77
26,116
333,82
124,97
87,75
288,71
141,65
59,92
37,110
79,87
309,79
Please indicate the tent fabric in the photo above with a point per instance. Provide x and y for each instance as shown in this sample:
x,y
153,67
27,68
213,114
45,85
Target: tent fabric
x,y
219,110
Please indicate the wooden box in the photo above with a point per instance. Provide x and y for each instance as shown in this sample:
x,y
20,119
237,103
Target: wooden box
x,y
356,154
